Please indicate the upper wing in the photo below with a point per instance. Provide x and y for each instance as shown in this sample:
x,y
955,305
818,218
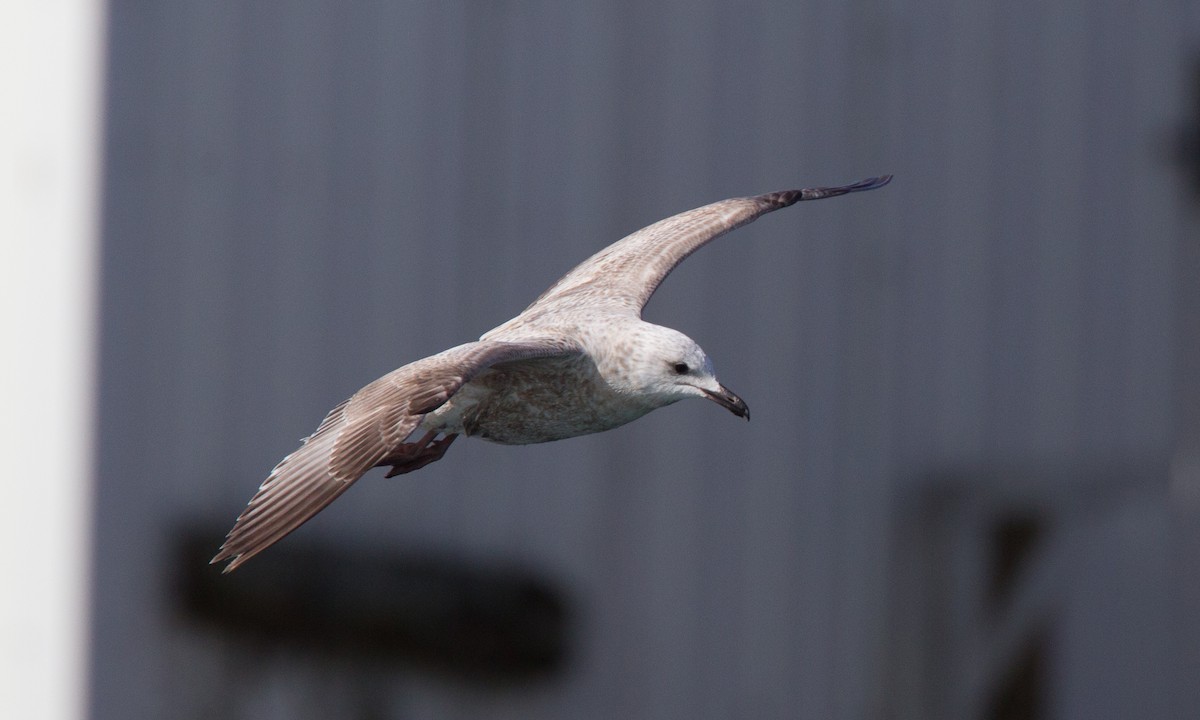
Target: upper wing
x,y
624,275
360,432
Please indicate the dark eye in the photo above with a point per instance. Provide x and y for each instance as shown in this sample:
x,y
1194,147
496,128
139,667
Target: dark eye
x,y
680,368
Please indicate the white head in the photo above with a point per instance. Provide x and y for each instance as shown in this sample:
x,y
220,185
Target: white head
x,y
663,366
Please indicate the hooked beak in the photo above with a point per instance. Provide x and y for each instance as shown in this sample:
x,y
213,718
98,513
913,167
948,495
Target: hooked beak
x,y
729,401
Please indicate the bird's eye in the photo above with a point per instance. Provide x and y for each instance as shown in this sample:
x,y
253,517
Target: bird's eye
x,y
680,368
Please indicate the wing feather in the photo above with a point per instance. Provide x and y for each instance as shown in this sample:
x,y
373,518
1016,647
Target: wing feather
x,y
623,276
358,433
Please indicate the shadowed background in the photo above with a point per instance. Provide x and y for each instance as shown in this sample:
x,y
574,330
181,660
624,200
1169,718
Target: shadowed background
x,y
971,486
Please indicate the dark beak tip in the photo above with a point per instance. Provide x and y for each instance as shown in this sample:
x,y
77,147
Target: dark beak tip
x,y
738,407
730,402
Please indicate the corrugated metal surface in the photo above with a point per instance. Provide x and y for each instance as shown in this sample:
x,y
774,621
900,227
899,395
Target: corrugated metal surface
x,y
302,196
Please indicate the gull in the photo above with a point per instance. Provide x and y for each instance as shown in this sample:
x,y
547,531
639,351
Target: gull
x,y
579,360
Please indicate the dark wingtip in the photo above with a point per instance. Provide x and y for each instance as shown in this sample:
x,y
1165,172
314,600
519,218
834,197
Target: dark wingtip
x,y
783,198
869,183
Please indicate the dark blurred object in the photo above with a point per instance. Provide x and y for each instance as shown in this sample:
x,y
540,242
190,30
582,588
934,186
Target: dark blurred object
x,y
990,564
1188,142
1014,539
462,617
1021,690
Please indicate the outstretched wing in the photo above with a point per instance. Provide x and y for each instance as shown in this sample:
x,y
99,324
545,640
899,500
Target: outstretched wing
x,y
623,276
357,434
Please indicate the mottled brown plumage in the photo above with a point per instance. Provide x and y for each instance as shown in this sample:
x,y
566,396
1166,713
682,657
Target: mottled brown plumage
x,y
578,360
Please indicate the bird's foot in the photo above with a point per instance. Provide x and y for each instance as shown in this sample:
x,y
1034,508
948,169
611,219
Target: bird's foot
x,y
414,456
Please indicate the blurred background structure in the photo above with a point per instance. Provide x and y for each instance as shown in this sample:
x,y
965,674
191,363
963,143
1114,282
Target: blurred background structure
x,y
971,488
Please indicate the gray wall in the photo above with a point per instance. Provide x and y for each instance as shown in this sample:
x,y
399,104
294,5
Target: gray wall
x,y
302,196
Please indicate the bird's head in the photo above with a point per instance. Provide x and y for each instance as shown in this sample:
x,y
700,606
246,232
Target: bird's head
x,y
665,366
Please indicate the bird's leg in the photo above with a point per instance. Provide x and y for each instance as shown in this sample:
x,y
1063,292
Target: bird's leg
x,y
428,454
405,453
414,456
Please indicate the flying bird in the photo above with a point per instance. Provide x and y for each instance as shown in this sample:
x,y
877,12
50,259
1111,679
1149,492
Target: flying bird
x,y
579,360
